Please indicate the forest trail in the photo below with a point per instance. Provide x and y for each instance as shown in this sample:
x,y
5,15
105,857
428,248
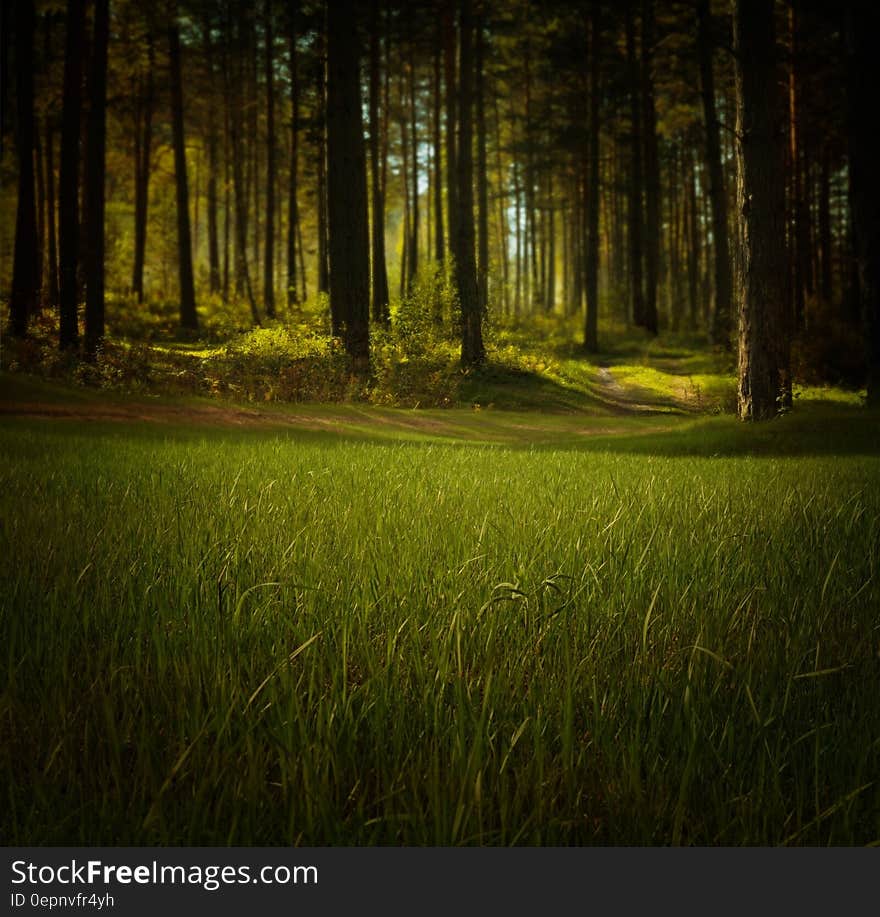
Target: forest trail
x,y
623,414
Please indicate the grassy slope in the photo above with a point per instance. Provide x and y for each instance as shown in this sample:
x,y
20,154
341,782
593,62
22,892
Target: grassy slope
x,y
384,634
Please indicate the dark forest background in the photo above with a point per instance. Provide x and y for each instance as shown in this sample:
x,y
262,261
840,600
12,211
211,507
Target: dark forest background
x,y
201,167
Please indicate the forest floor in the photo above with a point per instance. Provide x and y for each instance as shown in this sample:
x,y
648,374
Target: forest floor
x,y
582,605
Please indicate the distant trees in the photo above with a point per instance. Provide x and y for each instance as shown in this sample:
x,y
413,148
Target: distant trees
x,y
554,158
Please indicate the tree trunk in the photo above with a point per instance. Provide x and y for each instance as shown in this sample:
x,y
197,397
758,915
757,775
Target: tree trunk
x,y
68,180
720,331
379,293
482,178
862,24
213,237
349,240
143,153
825,238
591,203
652,169
51,216
472,350
95,171
269,252
761,205
413,248
292,193
439,239
321,118
23,299
188,315
449,48
636,219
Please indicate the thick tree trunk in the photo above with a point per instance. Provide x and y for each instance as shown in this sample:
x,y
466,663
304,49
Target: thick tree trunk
x,y
23,299
482,178
292,187
95,169
68,180
347,185
188,315
449,49
269,251
379,291
592,197
761,205
862,25
652,169
51,216
472,349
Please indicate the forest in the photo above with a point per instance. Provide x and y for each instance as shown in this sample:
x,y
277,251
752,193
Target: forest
x,y
440,422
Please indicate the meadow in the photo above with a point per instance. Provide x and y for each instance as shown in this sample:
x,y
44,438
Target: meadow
x,y
465,627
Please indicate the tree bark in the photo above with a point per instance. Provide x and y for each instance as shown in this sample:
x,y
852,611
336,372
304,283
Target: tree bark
x,y
636,218
68,203
591,203
143,153
51,215
720,331
23,299
449,49
269,252
379,290
652,169
439,239
293,184
472,350
862,24
761,205
349,240
95,172
482,177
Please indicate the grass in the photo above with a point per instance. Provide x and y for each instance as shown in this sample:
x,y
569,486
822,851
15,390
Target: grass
x,y
380,634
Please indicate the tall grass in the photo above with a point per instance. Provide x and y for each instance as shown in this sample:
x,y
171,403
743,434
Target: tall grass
x,y
213,638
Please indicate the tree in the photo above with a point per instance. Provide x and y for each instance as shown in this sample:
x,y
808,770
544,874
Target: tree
x,y
591,319
652,169
472,350
95,169
188,316
379,290
293,186
721,317
761,213
269,254
862,24
143,140
636,220
68,180
348,235
23,298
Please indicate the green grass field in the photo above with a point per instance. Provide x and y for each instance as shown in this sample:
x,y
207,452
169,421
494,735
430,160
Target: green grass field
x,y
460,627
